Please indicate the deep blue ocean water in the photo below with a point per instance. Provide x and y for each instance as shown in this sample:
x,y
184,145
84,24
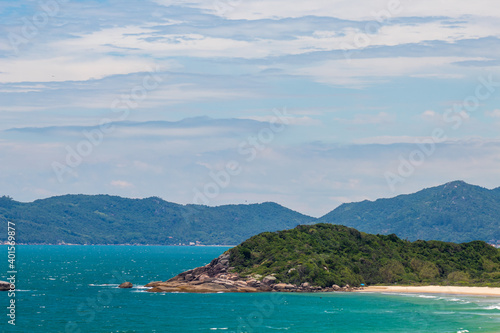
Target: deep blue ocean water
x,y
74,289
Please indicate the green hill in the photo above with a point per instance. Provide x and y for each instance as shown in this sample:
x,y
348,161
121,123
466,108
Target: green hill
x,y
104,219
325,254
455,212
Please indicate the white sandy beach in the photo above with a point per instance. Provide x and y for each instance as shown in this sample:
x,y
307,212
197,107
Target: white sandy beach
x,y
455,290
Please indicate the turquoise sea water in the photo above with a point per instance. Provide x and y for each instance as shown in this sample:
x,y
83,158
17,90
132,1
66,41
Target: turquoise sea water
x,y
74,289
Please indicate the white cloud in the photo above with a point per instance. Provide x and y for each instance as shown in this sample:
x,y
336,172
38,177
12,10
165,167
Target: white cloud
x,y
121,184
360,72
145,40
493,114
363,119
389,140
343,9
59,69
429,114
435,31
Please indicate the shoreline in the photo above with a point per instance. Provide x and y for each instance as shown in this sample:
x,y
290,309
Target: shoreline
x,y
452,290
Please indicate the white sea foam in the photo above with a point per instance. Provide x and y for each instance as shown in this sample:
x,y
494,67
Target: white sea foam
x,y
462,301
103,285
493,307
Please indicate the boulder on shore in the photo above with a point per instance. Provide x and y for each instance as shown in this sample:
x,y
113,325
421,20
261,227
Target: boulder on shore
x,y
269,280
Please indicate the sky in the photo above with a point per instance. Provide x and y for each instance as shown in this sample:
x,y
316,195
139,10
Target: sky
x,y
307,104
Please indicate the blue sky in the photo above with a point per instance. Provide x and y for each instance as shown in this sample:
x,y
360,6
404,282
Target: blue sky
x,y
308,104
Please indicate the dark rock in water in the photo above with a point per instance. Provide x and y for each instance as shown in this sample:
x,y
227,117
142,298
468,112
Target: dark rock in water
x,y
126,285
4,286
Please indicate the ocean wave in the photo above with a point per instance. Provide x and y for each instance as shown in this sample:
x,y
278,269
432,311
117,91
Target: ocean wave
x,y
103,285
462,301
493,307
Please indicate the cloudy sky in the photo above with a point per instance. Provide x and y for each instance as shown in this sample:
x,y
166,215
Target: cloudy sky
x,y
307,104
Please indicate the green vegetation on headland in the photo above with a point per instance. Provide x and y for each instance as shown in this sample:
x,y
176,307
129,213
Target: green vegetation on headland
x,y
104,219
326,255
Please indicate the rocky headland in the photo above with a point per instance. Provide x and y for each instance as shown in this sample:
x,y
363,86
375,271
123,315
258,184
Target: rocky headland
x,y
218,276
327,257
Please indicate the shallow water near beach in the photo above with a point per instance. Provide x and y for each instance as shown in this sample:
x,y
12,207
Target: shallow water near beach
x,y
74,289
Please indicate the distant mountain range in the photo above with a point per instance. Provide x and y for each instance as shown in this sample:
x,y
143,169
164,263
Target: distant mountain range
x,y
455,212
104,219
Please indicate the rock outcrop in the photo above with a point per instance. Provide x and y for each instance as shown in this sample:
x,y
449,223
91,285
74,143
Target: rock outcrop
x,y
126,285
4,286
218,276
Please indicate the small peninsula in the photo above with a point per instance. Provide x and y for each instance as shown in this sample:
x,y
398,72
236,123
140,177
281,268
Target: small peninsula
x,y
325,257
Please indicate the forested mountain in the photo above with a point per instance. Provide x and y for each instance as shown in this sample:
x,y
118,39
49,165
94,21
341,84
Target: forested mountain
x,y
325,254
104,219
455,212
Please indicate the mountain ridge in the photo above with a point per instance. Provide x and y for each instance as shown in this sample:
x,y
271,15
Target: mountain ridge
x,y
455,211
105,219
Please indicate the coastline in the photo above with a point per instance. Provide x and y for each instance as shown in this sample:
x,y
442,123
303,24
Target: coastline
x,y
454,290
